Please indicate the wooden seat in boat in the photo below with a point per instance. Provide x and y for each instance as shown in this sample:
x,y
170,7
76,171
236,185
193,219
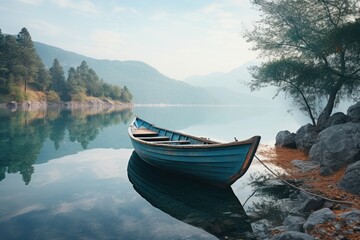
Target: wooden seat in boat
x,y
181,142
144,133
156,138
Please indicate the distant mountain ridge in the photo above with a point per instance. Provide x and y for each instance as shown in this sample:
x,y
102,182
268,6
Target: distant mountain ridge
x,y
236,82
147,84
234,79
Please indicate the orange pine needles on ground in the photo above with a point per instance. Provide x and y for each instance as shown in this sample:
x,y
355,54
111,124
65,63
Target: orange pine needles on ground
x,y
323,185
314,182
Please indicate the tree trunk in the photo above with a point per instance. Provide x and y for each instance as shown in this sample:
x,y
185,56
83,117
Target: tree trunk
x,y
325,114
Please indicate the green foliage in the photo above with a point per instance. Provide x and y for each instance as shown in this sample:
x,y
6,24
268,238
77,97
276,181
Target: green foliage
x,y
17,93
43,80
52,96
313,51
84,82
79,96
126,96
58,83
20,66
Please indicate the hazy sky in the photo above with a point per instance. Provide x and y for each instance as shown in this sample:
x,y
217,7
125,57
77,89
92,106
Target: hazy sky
x,y
180,38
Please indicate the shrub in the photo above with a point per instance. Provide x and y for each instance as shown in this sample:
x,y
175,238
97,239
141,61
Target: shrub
x,y
79,96
52,96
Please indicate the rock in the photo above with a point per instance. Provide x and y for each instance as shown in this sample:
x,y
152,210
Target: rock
x,y
337,146
337,118
285,139
305,137
107,101
350,181
351,217
292,235
311,204
12,104
354,112
302,196
321,216
305,166
294,223
261,228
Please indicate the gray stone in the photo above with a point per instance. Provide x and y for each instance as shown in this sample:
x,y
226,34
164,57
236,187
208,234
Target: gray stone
x,y
285,139
351,217
354,112
312,204
261,228
292,235
305,137
302,196
12,104
294,223
321,216
305,166
337,146
337,118
350,181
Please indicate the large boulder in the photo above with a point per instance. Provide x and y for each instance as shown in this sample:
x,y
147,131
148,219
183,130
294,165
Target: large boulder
x,y
285,139
351,217
293,235
354,112
311,204
306,137
294,223
321,216
350,181
337,118
337,146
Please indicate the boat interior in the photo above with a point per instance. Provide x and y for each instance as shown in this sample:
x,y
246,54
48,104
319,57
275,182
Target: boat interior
x,y
154,137
148,132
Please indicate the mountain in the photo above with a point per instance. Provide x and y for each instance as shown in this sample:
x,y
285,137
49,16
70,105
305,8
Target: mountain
x,y
147,85
235,79
234,87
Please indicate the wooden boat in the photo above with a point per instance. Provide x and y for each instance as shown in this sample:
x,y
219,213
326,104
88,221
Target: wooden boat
x,y
214,209
214,162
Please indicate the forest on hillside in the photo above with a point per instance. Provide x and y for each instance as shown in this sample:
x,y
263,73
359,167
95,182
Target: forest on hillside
x,y
21,69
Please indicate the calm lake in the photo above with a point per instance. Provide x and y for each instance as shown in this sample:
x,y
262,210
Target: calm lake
x,y
73,175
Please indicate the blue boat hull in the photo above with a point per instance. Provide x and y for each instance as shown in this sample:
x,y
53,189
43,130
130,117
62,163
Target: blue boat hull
x,y
214,209
217,163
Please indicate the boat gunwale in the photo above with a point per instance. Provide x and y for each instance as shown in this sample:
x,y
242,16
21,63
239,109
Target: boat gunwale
x,y
211,143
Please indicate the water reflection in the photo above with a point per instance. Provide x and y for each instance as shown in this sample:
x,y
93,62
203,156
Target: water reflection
x,y
216,210
23,134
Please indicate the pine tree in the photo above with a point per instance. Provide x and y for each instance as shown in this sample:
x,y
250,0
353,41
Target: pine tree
x,y
28,57
58,83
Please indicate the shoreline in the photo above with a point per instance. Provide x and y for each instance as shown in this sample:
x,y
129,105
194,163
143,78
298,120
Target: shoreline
x,y
91,103
339,227
311,179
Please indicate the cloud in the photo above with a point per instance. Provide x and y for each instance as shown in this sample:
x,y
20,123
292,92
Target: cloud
x,y
32,2
83,6
107,43
44,27
22,211
84,204
126,10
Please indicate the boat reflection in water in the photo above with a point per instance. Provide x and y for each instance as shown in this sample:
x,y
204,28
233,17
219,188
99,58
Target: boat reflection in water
x,y
213,209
